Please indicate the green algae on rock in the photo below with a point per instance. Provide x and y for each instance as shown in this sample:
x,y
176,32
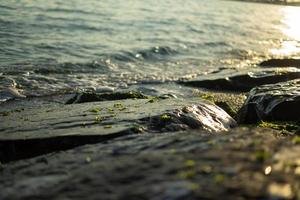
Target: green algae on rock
x,y
284,127
67,126
229,102
195,171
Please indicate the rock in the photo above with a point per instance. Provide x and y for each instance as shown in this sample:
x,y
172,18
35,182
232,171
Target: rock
x,y
245,82
281,63
92,97
179,165
10,93
202,115
41,130
274,102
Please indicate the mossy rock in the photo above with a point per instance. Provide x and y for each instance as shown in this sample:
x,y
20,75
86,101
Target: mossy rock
x,y
229,102
285,127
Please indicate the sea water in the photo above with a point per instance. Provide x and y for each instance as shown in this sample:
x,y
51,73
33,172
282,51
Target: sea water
x,y
58,46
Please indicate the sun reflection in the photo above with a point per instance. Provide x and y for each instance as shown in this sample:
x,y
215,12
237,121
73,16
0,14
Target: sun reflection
x,y
291,20
287,48
291,29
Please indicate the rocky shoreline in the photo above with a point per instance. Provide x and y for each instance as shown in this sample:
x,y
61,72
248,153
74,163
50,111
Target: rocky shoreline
x,y
226,137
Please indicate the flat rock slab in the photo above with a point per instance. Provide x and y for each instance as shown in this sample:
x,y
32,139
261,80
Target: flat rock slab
x,y
245,82
241,164
274,102
288,62
30,132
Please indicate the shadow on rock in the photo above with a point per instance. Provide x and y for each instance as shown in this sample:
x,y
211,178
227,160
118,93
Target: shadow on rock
x,y
92,97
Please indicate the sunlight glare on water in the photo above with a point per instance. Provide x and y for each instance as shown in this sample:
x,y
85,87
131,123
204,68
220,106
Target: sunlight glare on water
x,y
63,46
291,29
292,21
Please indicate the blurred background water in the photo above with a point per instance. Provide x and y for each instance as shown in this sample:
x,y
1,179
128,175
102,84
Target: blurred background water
x,y
60,46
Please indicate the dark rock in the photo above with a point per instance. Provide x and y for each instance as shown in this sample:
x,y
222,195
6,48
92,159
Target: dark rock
x,y
92,97
242,164
281,63
46,129
274,102
244,82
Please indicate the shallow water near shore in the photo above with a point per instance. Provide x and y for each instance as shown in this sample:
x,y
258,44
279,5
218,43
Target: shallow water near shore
x,y
65,46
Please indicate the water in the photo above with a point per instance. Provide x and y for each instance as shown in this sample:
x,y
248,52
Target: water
x,y
61,46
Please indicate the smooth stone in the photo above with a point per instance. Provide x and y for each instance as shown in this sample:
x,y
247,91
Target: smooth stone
x,y
275,102
245,82
281,63
49,128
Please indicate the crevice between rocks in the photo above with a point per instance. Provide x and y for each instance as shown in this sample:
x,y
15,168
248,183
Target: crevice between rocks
x,y
12,150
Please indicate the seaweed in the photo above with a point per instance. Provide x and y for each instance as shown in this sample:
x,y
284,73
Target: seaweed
x,y
95,110
165,117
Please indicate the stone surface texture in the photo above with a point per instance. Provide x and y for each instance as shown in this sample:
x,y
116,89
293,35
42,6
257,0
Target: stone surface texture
x,y
274,102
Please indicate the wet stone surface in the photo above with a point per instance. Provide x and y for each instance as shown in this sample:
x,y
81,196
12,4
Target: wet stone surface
x,y
288,62
244,82
163,147
240,164
274,102
44,129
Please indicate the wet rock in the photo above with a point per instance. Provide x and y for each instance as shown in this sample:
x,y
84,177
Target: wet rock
x,y
281,63
274,102
178,165
203,115
92,97
161,89
245,82
46,129
10,93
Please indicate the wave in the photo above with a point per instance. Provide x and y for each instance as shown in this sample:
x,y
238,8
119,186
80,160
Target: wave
x,y
63,68
217,44
157,53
